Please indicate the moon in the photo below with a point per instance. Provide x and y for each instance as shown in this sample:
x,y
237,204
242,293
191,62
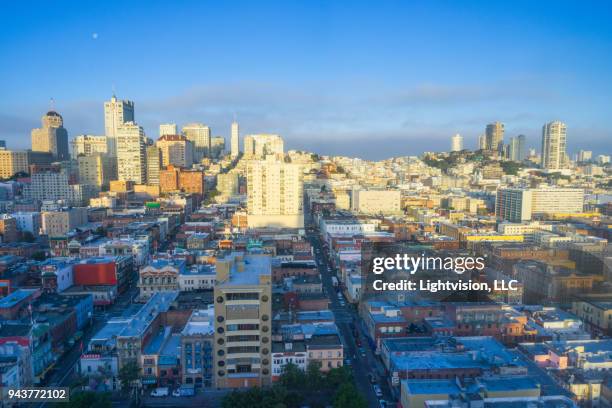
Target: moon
x,y
94,36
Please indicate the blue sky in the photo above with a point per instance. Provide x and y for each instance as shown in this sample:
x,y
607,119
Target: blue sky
x,y
371,79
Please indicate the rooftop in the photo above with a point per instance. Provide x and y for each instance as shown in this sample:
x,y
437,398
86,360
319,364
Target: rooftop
x,y
16,297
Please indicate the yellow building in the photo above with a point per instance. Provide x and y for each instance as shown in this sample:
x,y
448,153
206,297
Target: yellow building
x,y
12,162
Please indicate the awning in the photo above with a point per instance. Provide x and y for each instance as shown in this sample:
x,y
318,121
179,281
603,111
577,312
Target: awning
x,y
149,380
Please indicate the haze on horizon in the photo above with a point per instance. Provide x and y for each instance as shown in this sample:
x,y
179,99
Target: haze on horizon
x,y
367,79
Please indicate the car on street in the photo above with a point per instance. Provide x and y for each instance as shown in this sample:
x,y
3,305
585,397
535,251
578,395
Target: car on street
x,y
377,391
347,362
160,392
362,352
382,404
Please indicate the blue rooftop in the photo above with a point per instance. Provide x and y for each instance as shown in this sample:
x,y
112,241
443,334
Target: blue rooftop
x,y
14,298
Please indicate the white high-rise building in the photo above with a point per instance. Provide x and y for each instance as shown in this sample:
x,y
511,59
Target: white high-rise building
x,y
235,140
131,153
456,143
116,113
516,148
554,136
274,193
87,145
482,142
168,129
258,146
199,135
585,156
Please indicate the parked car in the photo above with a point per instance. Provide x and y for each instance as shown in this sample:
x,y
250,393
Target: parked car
x,y
185,390
372,378
382,404
160,392
377,391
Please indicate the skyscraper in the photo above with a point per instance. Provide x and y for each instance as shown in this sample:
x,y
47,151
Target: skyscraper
x,y
482,142
131,153
456,143
274,193
554,136
495,136
51,137
154,165
168,129
199,135
235,140
116,113
516,148
585,156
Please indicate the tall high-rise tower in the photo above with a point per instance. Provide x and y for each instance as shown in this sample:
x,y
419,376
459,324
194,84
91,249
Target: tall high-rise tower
x,y
116,113
235,140
274,193
456,143
199,135
51,137
131,153
516,148
554,135
495,136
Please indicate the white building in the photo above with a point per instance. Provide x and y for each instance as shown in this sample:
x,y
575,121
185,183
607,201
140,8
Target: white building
x,y
235,140
168,129
377,201
274,193
456,143
57,185
196,278
258,146
116,113
28,221
585,156
131,153
345,226
554,156
520,204
199,135
88,145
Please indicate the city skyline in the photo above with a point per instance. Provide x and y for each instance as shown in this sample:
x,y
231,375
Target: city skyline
x,y
326,81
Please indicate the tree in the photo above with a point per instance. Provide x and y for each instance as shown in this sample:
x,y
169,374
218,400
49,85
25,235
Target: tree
x,y
292,377
348,397
338,376
313,375
128,374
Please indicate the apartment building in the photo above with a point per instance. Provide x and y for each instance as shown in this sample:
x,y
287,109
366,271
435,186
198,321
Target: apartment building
x,y
243,310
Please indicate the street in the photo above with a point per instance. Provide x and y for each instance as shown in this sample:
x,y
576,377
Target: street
x,y
344,317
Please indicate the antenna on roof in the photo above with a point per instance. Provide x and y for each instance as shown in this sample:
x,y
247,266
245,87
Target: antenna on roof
x,y
51,104
113,89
